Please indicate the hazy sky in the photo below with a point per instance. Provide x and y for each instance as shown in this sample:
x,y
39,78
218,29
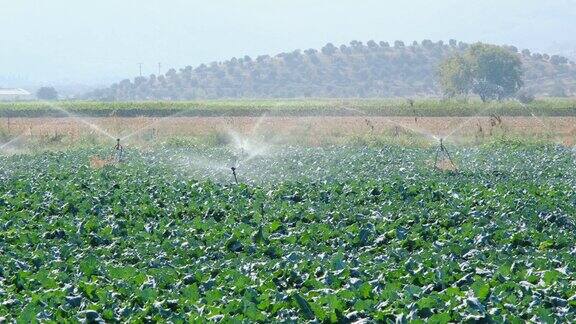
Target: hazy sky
x,y
52,41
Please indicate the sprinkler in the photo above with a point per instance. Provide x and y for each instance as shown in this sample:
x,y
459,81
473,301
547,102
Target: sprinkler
x,y
234,174
444,151
236,163
119,151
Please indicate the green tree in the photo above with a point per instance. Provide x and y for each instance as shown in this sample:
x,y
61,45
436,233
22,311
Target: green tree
x,y
456,76
490,71
329,49
47,93
497,72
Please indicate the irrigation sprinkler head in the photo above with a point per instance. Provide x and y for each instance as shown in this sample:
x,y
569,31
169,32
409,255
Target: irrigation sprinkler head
x,y
443,147
234,174
119,155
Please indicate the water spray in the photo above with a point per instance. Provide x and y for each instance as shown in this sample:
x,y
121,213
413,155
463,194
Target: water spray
x,y
442,150
78,118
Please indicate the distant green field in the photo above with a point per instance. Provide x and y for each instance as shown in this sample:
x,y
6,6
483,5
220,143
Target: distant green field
x,y
297,107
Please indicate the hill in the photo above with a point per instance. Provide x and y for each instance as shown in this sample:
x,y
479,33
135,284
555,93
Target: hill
x,y
355,70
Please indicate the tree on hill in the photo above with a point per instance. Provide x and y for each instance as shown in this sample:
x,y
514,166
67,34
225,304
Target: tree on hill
x,y
455,76
497,72
371,69
490,71
47,93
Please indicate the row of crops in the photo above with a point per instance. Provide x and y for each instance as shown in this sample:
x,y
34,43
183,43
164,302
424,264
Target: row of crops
x,y
390,107
310,234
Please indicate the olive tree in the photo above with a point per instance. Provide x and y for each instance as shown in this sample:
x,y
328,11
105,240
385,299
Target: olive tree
x,y
455,76
491,72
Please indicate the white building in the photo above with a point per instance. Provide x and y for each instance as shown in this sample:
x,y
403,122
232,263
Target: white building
x,y
14,94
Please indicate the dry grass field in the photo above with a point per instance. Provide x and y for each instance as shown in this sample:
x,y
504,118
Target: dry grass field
x,y
309,130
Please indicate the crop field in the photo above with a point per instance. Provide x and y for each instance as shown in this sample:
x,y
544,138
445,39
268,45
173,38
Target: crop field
x,y
321,234
292,107
258,216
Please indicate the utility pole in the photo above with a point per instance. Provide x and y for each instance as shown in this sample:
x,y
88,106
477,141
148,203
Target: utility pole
x,y
159,68
140,66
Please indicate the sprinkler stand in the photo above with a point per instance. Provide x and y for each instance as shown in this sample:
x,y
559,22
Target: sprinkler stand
x,y
444,151
119,151
234,174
